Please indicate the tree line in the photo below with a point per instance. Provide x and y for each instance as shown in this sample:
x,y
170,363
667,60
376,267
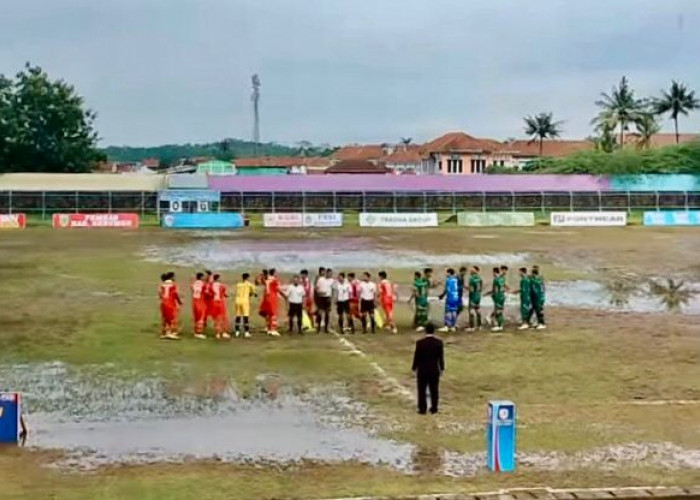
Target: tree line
x,y
620,110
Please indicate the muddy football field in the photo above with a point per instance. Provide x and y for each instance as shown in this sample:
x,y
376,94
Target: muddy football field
x,y
608,395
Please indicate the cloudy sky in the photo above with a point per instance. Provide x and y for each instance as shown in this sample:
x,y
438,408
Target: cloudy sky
x,y
340,71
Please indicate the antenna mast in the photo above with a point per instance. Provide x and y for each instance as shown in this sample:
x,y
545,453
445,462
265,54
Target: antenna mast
x,y
255,97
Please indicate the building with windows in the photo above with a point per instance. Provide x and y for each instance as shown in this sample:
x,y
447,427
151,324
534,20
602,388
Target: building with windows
x,y
457,153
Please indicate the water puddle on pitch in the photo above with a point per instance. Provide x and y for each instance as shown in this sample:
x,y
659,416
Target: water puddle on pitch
x,y
100,421
310,253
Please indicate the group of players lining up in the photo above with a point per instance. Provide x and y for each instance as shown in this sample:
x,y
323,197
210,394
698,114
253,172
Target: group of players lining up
x,y
309,302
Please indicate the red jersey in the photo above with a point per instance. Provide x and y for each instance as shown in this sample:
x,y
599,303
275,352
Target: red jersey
x,y
168,294
272,288
386,292
219,292
354,291
198,290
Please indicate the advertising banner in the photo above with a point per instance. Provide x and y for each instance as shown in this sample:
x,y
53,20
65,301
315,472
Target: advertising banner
x,y
492,219
13,221
418,219
586,219
190,195
283,220
672,218
303,220
203,221
114,221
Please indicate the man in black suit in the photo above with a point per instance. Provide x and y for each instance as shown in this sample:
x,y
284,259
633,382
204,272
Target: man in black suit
x,y
428,364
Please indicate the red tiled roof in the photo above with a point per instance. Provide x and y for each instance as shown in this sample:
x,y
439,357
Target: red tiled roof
x,y
662,140
552,148
282,161
459,141
402,157
151,162
358,167
359,152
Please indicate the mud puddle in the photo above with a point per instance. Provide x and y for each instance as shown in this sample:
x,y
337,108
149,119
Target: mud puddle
x,y
100,421
293,255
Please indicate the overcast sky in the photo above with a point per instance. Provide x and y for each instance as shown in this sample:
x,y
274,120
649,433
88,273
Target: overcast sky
x,y
341,71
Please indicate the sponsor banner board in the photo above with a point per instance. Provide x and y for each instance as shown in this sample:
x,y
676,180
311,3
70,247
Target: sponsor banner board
x,y
588,219
483,219
190,195
672,218
303,220
203,220
418,219
13,221
283,220
114,221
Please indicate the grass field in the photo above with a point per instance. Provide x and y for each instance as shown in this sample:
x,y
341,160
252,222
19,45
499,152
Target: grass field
x,y
605,398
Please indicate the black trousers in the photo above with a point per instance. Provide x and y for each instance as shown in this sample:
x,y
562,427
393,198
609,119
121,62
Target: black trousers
x,y
428,382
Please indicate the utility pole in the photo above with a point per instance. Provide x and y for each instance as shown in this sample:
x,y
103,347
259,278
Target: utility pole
x,y
255,97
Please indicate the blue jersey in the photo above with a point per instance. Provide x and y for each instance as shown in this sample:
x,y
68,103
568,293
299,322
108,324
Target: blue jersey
x,y
452,289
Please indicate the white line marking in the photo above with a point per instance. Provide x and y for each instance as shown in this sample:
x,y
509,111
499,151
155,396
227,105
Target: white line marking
x,y
388,380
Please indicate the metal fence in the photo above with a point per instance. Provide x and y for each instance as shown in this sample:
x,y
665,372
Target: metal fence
x,y
49,202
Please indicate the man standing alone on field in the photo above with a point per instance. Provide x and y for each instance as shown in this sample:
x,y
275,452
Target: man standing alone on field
x,y
428,365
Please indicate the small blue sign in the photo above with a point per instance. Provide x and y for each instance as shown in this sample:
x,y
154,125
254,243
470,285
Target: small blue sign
x,y
190,195
10,417
500,436
672,218
203,221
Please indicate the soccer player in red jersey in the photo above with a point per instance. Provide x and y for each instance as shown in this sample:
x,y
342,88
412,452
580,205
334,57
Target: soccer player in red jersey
x,y
387,294
199,306
272,292
219,293
207,297
261,281
169,306
354,296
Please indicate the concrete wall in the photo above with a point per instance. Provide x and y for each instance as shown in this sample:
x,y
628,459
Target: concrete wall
x,y
82,182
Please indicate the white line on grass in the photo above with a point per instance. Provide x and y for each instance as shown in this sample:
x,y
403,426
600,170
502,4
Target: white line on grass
x,y
387,379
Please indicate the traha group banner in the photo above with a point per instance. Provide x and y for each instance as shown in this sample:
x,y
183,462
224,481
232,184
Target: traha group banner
x,y
113,221
672,218
492,219
13,221
418,219
303,220
585,219
203,220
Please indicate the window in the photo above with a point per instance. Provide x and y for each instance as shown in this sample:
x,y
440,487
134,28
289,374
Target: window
x,y
454,166
440,166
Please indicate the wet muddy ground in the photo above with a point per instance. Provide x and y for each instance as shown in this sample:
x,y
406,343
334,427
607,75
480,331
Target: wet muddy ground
x,y
99,420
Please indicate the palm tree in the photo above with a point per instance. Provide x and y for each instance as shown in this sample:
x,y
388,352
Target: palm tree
x,y
647,127
619,109
678,101
541,127
621,287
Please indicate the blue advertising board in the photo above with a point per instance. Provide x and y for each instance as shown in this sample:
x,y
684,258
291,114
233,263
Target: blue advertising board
x,y
672,218
203,221
190,195
10,417
500,436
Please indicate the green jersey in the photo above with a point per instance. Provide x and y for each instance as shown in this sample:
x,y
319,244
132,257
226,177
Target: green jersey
x,y
525,290
420,287
499,288
475,286
537,287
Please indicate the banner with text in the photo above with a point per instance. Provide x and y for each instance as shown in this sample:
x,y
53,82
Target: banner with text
x,y
672,218
303,220
114,221
491,219
13,221
203,220
584,219
418,219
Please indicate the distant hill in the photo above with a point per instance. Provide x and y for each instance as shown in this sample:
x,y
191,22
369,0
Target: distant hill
x,y
172,153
